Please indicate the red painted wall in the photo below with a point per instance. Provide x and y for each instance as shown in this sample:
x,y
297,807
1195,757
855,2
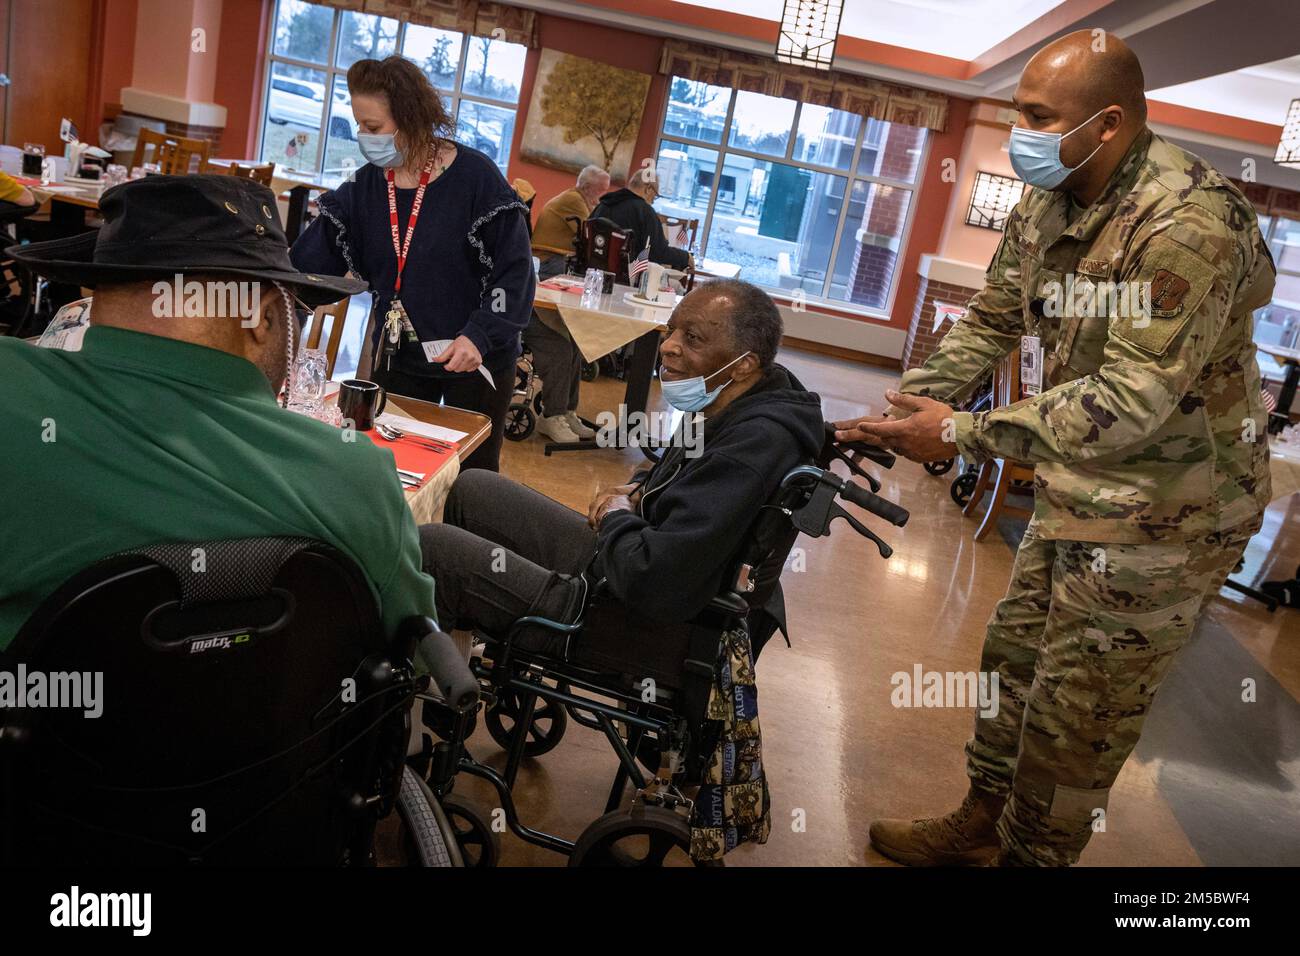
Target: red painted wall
x,y
932,198
245,27
622,48
113,58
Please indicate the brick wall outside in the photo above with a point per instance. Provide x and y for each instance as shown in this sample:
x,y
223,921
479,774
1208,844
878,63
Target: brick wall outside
x,y
921,339
873,266
874,263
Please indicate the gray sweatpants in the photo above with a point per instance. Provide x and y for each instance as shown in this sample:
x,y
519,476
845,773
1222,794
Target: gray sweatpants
x,y
557,360
504,551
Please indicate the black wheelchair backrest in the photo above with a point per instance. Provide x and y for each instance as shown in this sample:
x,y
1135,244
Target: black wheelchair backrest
x,y
247,703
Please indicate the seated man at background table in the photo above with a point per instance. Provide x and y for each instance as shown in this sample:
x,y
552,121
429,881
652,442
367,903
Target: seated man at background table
x,y
553,234
556,358
165,427
666,540
630,207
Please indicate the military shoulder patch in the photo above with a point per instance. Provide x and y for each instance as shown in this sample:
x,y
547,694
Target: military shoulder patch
x,y
1173,281
1168,290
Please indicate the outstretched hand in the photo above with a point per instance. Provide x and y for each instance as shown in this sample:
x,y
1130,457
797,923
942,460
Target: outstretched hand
x,y
925,435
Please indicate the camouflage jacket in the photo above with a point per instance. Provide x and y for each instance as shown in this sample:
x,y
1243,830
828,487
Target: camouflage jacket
x,y
1149,425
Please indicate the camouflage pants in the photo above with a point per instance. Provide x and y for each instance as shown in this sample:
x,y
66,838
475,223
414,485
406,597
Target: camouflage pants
x,y
1081,643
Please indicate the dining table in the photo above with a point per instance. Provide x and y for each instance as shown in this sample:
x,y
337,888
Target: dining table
x,y
599,324
1289,358
465,429
68,201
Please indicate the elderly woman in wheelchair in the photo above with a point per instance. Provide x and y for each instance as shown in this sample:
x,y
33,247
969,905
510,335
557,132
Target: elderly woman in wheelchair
x,y
642,618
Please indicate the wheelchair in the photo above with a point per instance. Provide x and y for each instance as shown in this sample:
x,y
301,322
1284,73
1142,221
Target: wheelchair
x,y
253,713
963,486
526,401
648,697
25,306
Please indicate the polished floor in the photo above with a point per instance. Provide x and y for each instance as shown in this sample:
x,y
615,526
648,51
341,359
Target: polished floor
x,y
1214,781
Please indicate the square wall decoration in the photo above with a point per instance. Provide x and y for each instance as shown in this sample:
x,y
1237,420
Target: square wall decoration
x,y
583,112
991,200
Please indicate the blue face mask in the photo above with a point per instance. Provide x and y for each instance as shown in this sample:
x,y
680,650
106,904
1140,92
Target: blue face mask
x,y
689,394
1036,157
379,149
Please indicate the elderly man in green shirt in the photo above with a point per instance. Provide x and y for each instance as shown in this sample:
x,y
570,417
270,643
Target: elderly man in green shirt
x,y
165,426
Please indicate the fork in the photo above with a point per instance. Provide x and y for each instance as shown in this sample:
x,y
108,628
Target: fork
x,y
396,434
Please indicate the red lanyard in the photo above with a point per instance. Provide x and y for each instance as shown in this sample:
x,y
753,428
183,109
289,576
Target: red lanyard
x,y
402,246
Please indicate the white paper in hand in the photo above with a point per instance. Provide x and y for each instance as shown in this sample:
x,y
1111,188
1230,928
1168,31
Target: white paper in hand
x,y
435,348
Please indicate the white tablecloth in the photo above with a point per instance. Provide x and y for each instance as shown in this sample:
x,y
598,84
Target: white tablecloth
x,y
599,327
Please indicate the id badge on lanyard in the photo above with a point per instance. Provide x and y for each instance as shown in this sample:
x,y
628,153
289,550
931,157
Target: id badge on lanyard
x,y
1031,365
397,323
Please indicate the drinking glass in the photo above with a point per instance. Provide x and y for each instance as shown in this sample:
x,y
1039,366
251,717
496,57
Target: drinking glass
x,y
308,381
33,158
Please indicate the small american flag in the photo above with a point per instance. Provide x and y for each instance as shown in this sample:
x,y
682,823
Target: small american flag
x,y
681,235
640,264
1270,403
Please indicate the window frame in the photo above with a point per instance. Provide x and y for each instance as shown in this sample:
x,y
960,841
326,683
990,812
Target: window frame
x,y
850,175
334,74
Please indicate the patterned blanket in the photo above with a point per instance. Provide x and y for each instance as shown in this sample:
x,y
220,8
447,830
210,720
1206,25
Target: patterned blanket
x,y
732,806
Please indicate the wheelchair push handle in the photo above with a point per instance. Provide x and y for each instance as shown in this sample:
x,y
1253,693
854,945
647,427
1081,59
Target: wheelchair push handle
x,y
448,669
877,505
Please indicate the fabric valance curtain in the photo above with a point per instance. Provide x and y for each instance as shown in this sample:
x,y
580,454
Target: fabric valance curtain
x,y
842,91
466,16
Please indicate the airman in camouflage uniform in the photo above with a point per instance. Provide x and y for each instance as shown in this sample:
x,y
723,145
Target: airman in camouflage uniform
x,y
1150,459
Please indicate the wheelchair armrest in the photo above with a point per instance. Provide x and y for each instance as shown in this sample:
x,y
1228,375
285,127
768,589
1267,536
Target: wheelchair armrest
x,y
544,622
444,661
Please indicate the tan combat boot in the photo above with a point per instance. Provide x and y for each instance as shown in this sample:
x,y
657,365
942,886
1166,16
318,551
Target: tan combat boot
x,y
965,837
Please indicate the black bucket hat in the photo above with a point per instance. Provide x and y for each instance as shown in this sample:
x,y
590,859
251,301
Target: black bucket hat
x,y
162,225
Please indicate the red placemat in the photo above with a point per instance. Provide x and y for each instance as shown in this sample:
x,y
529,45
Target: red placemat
x,y
413,457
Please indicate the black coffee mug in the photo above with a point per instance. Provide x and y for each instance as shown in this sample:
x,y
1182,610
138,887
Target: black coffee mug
x,y
361,402
607,282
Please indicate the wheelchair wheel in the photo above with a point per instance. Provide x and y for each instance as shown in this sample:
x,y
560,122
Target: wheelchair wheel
x,y
963,486
425,830
478,845
544,733
650,837
590,371
938,467
520,422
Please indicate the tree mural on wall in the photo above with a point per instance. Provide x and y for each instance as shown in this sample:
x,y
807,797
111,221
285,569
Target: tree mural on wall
x,y
582,102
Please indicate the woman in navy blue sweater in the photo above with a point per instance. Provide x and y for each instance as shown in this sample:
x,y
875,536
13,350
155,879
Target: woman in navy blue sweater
x,y
459,233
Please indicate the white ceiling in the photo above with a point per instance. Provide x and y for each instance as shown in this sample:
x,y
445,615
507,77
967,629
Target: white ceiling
x,y
1260,93
958,28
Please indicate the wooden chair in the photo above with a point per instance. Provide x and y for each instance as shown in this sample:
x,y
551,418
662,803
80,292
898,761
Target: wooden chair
x,y
673,226
338,312
258,172
1000,475
173,154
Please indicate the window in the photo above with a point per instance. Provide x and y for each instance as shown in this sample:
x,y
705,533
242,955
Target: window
x,y
801,197
311,51
1278,323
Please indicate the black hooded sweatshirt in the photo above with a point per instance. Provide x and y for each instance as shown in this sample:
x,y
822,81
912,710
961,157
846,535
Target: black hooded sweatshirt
x,y
638,219
668,558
